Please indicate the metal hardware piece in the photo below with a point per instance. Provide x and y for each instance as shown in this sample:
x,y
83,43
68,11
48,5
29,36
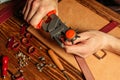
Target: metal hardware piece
x,y
40,66
18,75
22,59
41,58
31,50
102,56
12,44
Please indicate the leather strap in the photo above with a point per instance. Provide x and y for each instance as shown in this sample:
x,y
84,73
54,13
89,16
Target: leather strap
x,y
107,28
84,67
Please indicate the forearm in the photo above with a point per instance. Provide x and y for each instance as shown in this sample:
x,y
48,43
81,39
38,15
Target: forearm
x,y
113,45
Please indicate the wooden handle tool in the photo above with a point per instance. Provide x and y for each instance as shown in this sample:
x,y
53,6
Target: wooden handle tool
x,y
57,62
55,59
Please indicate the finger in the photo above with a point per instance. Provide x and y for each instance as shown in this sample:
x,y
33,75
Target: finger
x,y
76,50
82,50
83,37
34,8
71,49
56,8
27,8
57,11
37,17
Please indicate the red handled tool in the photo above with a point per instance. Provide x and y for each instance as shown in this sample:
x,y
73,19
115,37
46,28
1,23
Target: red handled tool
x,y
4,66
45,19
57,29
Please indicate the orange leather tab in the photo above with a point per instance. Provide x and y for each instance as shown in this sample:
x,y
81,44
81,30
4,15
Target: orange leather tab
x,y
51,12
43,20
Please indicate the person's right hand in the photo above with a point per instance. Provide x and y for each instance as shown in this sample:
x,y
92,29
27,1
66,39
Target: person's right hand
x,y
35,10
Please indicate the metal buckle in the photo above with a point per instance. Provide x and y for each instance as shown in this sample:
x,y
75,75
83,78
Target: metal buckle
x,y
100,56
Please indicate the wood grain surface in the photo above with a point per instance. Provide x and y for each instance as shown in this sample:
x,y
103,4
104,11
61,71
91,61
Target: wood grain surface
x,y
78,14
10,28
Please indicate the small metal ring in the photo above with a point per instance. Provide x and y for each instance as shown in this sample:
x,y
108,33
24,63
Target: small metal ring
x,y
15,45
28,35
31,50
25,41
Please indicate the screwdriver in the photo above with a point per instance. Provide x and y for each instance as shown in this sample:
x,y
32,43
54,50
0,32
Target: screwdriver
x,y
4,66
57,62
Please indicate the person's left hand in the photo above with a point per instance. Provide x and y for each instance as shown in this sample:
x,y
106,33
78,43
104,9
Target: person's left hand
x,y
88,43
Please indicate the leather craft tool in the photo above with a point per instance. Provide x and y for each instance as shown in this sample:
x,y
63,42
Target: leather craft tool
x,y
4,66
17,76
57,62
13,44
57,29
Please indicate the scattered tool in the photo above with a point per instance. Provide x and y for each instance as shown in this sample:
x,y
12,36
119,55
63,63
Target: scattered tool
x,y
17,76
57,62
4,66
12,44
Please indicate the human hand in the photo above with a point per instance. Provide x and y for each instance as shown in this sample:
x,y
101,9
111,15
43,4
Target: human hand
x,y
35,10
88,43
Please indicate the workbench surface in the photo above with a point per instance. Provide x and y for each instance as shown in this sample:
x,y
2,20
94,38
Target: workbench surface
x,y
12,26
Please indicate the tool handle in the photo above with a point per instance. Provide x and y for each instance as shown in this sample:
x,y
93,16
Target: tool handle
x,y
55,59
4,66
44,19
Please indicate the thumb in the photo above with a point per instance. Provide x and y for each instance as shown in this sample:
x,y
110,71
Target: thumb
x,y
78,49
83,37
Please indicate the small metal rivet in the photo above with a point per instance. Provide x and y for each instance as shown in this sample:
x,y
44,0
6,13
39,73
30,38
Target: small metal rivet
x,y
42,58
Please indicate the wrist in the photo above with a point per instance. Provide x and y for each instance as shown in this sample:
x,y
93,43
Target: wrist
x,y
113,44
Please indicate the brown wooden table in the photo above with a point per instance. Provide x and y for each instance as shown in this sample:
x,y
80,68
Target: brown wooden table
x,y
103,15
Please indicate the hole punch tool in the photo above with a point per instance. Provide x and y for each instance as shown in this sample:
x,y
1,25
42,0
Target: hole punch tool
x,y
57,29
